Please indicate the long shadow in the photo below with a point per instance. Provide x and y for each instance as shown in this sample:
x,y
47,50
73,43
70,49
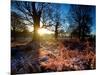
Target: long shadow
x,y
24,58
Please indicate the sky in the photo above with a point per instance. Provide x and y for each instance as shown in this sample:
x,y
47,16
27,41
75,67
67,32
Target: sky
x,y
65,12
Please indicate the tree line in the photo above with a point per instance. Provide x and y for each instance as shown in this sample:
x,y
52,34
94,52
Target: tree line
x,y
32,13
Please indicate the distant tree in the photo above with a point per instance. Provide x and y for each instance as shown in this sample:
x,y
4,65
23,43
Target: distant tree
x,y
81,20
55,18
17,24
51,18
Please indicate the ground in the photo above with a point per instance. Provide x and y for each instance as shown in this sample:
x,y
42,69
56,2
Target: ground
x,y
54,55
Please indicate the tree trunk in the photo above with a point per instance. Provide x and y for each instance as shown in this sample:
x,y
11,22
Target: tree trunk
x,y
36,38
56,30
36,27
35,43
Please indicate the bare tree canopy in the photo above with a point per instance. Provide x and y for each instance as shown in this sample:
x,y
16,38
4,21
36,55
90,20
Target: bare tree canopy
x,y
31,13
81,20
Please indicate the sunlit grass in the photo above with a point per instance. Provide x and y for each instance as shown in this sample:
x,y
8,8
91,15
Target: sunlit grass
x,y
56,56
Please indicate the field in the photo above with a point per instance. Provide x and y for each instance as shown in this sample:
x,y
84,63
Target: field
x,y
53,56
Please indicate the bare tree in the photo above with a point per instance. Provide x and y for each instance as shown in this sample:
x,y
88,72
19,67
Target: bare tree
x,y
31,12
55,18
81,20
51,17
17,24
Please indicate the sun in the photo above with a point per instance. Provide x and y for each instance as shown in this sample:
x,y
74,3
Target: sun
x,y
43,31
30,28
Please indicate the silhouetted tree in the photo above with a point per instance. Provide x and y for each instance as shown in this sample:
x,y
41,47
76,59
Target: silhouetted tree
x,y
81,19
46,16
17,24
51,17
31,13
55,18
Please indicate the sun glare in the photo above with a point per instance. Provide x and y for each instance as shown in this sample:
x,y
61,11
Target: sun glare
x,y
43,31
30,28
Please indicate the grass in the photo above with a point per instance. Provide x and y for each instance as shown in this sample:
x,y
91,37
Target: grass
x,y
61,55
